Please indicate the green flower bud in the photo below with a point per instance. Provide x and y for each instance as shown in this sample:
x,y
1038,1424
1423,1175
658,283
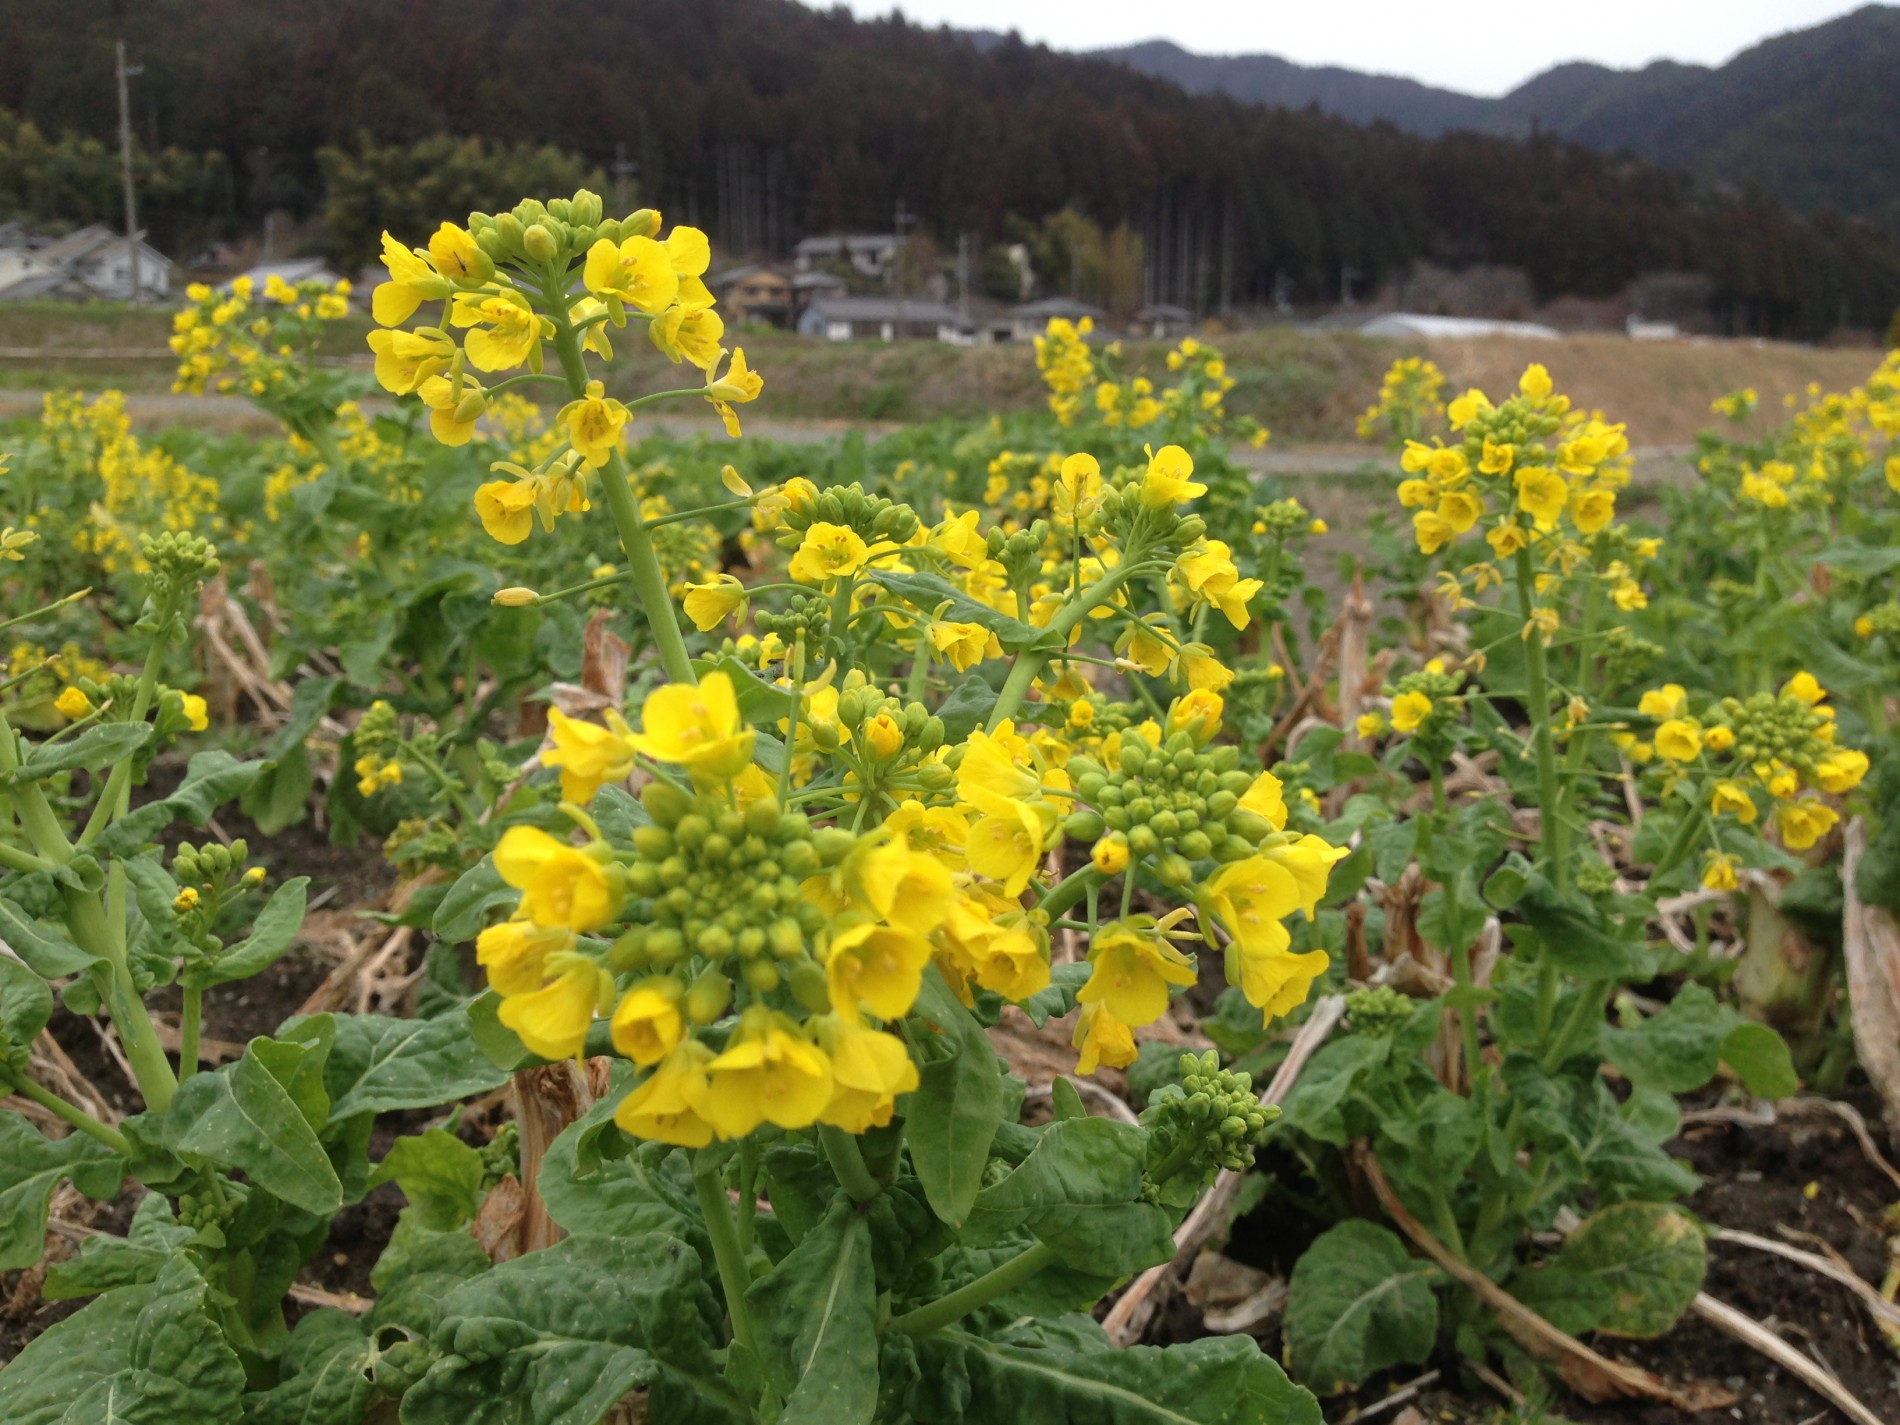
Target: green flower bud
x,y
707,1000
665,803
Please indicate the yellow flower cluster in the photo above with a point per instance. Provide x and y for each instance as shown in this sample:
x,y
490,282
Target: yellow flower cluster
x,y
1539,476
1082,379
1408,401
241,342
141,489
1779,746
556,273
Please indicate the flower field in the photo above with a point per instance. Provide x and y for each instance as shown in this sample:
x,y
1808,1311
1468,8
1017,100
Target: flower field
x,y
870,931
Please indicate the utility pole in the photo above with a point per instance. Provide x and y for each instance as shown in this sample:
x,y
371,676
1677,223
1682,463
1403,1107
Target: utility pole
x,y
963,277
623,169
125,164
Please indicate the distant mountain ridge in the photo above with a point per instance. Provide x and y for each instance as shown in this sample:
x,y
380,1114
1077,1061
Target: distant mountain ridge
x,y
1811,116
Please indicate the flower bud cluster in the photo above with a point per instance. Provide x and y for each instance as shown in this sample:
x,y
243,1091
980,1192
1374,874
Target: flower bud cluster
x,y
872,518
179,563
1178,800
724,886
557,231
809,614
1209,1121
1377,1009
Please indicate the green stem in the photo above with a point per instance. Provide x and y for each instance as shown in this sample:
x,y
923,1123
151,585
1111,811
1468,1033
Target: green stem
x,y
848,1163
649,580
727,1254
946,1310
1537,694
70,1113
1069,890
1022,676
1029,662
1588,1008
190,1022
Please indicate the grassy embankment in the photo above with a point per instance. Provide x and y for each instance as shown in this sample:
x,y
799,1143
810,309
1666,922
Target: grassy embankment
x,y
1307,386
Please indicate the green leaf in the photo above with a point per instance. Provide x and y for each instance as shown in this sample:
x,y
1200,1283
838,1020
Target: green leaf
x,y
30,1167
1066,1373
1630,1270
418,1270
649,1190
1079,1192
26,1003
105,1262
559,1336
324,1375
379,1065
272,933
1314,1106
463,911
211,780
951,1117
242,1117
141,1355
1572,931
968,706
1356,1304
45,946
1677,1050
928,592
98,746
279,798
1869,559
1504,886
760,703
1761,1060
439,1174
817,1314
1058,997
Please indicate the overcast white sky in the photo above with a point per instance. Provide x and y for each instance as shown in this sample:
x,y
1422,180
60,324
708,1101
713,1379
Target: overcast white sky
x,y
1479,46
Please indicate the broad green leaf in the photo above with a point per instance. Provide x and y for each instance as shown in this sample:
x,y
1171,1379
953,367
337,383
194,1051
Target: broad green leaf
x,y
105,1261
26,1003
45,946
141,1355
928,592
1869,559
418,1270
1652,1256
1058,997
968,706
324,1375
1066,1371
211,780
380,1065
559,1336
1356,1304
1573,933
499,1044
1761,1060
278,799
242,1117
816,1312
1677,1050
1079,1192
98,746
463,912
951,1118
1314,1105
30,1167
439,1174
1504,886
1579,1122
647,1190
272,933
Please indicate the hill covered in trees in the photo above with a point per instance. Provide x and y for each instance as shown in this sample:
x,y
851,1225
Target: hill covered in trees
x,y
763,120
1811,116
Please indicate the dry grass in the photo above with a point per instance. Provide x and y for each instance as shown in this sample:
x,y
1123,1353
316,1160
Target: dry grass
x,y
1307,386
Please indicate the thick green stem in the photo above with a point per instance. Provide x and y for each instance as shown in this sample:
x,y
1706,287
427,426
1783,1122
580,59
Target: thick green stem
x,y
649,580
70,1113
1069,890
946,1310
727,1254
1029,663
1022,676
190,1021
1587,1010
86,919
848,1163
1537,695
